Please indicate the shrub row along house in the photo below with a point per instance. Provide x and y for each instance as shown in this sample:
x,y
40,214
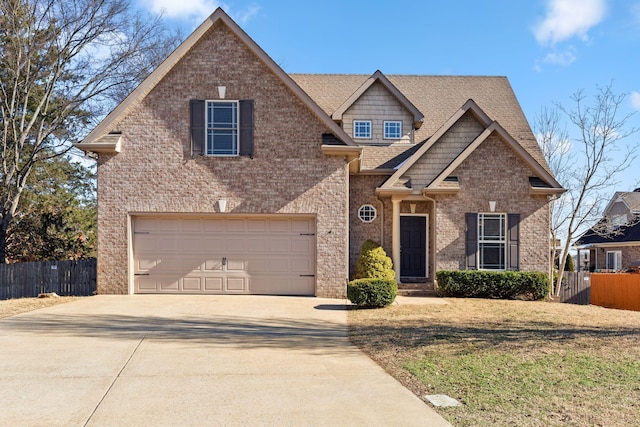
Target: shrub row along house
x,y
221,173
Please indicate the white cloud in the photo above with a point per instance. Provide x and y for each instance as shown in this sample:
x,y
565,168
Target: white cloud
x,y
635,100
250,12
182,8
569,18
563,59
197,10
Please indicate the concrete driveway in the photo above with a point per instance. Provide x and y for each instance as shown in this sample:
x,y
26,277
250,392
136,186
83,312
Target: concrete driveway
x,y
194,360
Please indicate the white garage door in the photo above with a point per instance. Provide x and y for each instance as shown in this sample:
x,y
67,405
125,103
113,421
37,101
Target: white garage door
x,y
228,255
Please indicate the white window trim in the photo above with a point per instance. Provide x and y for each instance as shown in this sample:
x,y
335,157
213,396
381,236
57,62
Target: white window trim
x,y
503,240
384,129
617,262
355,122
375,213
206,127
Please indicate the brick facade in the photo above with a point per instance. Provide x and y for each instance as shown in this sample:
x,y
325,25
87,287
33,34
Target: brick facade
x,y
494,171
155,172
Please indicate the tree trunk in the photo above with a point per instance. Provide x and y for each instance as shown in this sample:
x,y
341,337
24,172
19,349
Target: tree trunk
x,y
4,225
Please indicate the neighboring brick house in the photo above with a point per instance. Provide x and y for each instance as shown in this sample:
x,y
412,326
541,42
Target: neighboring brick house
x,y
221,173
614,243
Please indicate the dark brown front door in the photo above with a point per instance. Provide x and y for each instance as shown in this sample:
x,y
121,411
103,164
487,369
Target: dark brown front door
x,y
413,246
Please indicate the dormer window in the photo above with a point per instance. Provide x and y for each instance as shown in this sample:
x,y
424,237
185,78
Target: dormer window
x,y
618,220
362,129
392,129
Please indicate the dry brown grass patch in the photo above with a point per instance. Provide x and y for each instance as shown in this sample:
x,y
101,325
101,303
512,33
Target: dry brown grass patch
x,y
12,307
511,362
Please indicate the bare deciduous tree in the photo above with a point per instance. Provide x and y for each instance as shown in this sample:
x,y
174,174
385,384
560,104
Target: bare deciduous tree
x,y
589,166
63,65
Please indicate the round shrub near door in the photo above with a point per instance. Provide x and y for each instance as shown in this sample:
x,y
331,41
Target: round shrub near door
x,y
372,293
374,263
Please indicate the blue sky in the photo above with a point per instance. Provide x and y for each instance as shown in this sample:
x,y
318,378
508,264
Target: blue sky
x,y
548,49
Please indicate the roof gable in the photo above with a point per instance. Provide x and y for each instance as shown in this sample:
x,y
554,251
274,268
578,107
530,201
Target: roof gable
x,y
380,78
490,127
96,136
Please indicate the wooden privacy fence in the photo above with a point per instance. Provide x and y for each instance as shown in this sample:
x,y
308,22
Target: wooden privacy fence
x,y
616,290
575,288
28,279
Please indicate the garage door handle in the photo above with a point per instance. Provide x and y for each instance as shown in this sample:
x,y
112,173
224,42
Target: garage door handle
x,y
307,275
141,274
224,261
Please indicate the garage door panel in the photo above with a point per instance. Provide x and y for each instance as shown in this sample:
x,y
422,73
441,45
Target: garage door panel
x,y
279,225
236,245
302,246
280,245
191,225
213,284
213,265
192,284
301,265
236,225
258,226
301,226
263,255
236,284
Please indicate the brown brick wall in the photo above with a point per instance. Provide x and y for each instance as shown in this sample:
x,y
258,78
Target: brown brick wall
x,y
155,172
494,171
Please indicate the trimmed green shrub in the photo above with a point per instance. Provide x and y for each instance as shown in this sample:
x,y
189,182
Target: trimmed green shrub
x,y
489,284
374,263
372,292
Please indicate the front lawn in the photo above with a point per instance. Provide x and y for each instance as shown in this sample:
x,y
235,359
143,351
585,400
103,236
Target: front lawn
x,y
511,362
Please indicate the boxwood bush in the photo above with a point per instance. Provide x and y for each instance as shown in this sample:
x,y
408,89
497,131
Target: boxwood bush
x,y
373,262
490,284
372,292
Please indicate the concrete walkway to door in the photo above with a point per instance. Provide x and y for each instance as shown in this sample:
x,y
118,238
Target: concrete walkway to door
x,y
168,360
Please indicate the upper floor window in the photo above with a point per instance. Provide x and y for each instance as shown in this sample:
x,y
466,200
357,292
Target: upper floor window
x,y
619,220
392,129
222,128
362,129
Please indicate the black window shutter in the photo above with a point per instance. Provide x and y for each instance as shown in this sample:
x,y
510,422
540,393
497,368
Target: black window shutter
x,y
513,243
197,108
471,240
246,127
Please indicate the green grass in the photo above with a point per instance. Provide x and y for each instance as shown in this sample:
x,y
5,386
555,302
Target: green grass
x,y
512,362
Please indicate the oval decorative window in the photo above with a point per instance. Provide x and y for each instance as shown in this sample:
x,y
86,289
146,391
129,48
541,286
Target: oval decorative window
x,y
367,213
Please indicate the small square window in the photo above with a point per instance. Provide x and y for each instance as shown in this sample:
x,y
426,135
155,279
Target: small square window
x,y
393,130
362,129
367,213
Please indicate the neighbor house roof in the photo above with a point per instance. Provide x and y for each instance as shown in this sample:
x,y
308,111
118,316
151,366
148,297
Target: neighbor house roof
x,y
631,199
438,98
623,235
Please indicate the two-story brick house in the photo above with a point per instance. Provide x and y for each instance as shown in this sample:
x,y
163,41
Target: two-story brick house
x,y
221,173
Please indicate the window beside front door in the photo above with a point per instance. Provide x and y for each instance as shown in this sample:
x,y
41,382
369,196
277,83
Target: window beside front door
x,y
492,241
